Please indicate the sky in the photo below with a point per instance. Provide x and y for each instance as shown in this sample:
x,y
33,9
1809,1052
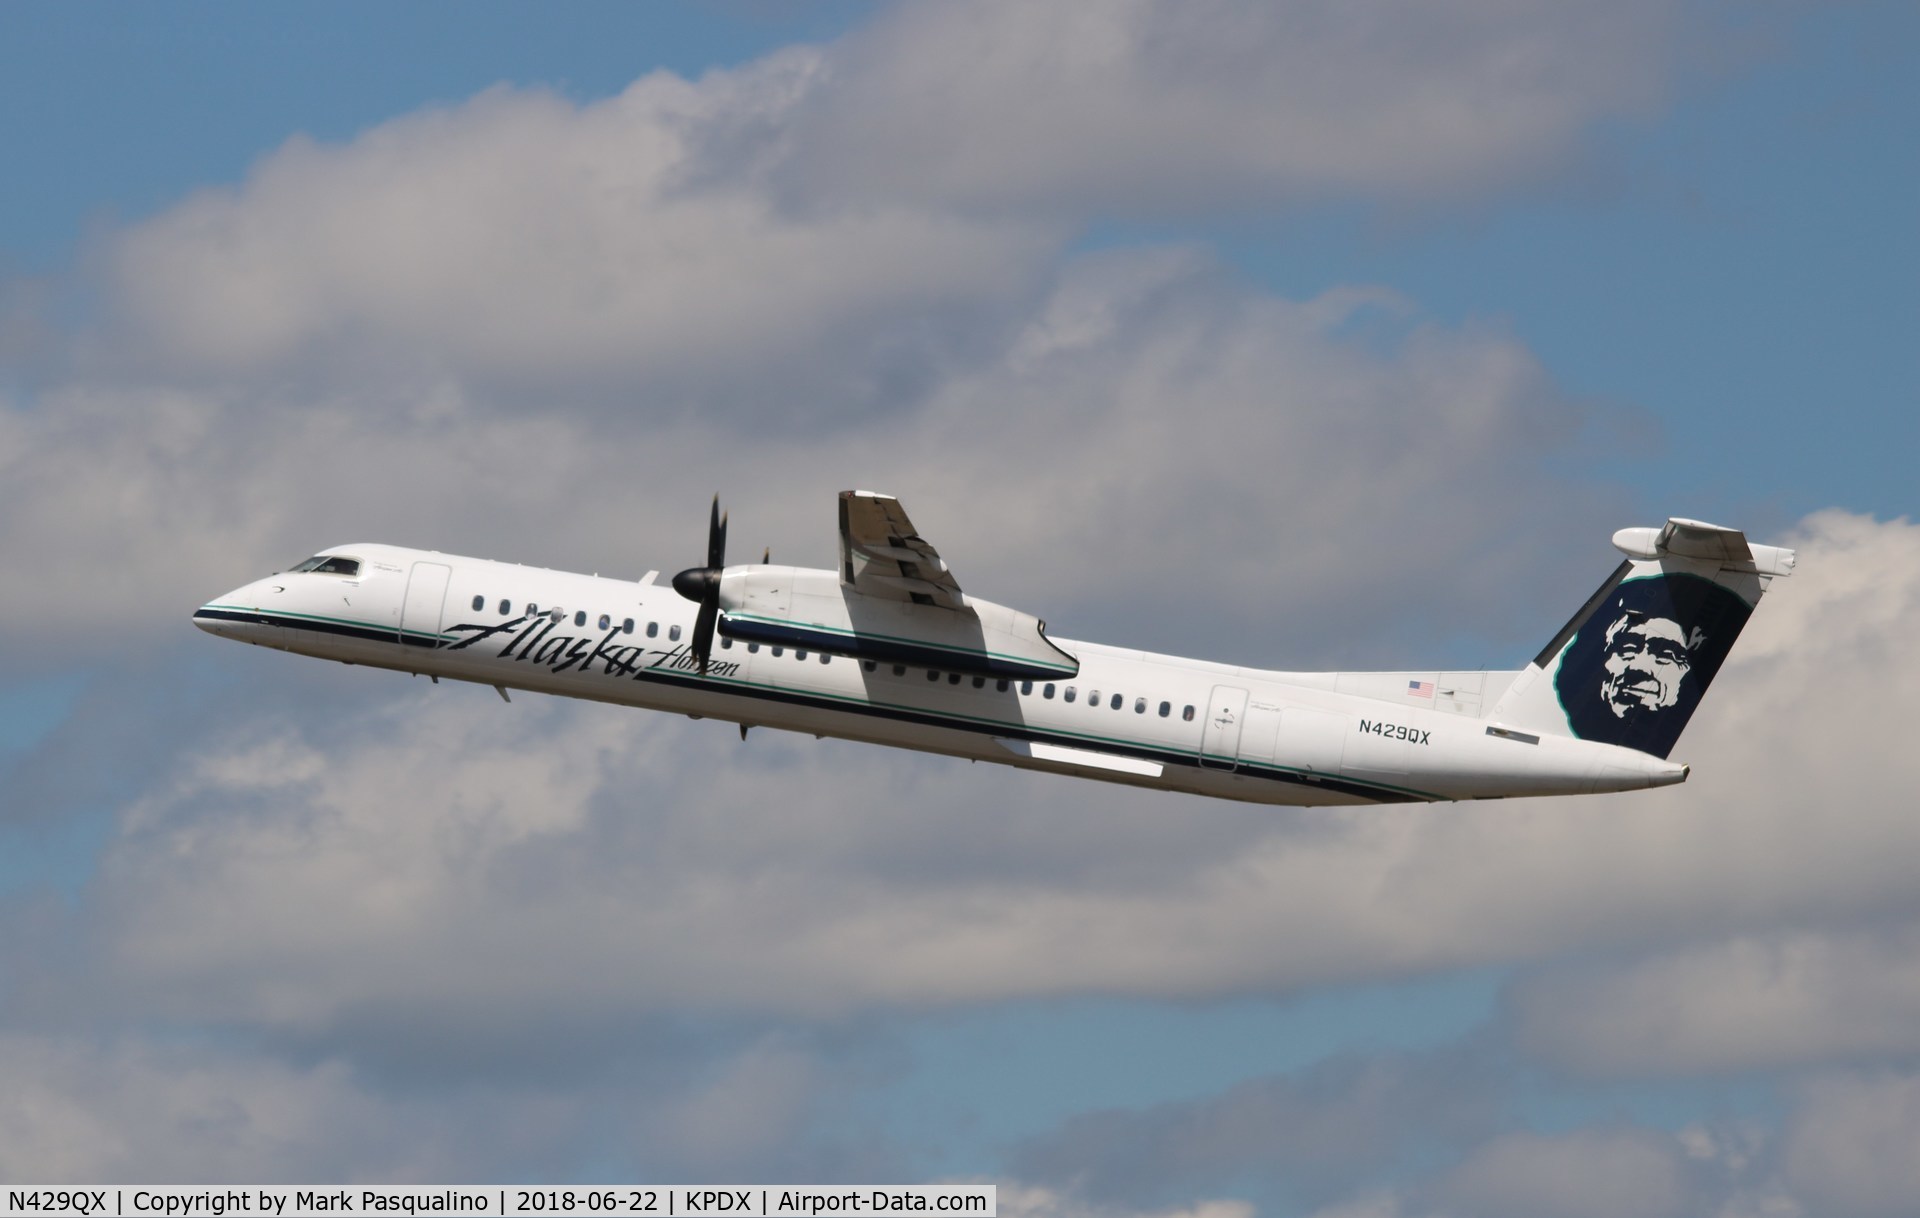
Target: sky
x,y
1303,335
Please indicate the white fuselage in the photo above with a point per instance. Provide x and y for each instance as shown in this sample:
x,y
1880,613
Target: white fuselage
x,y
1127,716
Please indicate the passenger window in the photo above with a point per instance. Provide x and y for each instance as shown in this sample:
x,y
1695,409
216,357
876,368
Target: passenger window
x,y
953,678
1117,700
1093,697
673,634
479,603
1001,685
653,629
1026,687
932,675
779,651
1166,708
579,617
1139,706
1047,690
753,649
979,682
869,665
899,670
533,610
726,644
825,658
1071,693
506,607
626,627
556,615
605,621
799,653
1187,714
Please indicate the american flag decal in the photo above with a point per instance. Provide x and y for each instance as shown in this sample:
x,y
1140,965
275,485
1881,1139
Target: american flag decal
x,y
1420,689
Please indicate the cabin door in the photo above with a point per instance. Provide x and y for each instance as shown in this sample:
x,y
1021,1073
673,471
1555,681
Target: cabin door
x,y
426,597
1220,738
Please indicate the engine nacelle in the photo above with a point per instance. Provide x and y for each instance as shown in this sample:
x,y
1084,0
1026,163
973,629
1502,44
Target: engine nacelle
x,y
805,607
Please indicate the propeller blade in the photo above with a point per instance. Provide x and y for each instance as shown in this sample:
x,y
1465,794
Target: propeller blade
x,y
702,584
703,631
717,537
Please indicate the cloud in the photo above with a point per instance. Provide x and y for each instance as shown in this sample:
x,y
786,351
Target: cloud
x,y
1197,416
175,1105
1052,473
1732,1005
749,1113
1016,1200
1442,1133
1591,1173
559,252
1849,1146
135,1109
804,237
1450,1135
1307,1136
548,331
1148,107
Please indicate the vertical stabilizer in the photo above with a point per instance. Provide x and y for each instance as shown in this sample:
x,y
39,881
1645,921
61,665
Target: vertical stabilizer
x,y
1634,662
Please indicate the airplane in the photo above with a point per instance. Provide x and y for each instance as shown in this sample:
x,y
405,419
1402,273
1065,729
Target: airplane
x,y
888,649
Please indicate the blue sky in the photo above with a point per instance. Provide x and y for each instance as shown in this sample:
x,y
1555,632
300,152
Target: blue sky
x,y
1372,325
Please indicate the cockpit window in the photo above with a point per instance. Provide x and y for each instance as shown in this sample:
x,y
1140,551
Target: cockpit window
x,y
328,564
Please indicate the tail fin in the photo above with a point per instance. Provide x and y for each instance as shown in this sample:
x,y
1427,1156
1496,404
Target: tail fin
x,y
1633,663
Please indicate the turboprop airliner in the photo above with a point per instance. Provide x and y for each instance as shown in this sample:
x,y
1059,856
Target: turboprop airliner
x,y
888,649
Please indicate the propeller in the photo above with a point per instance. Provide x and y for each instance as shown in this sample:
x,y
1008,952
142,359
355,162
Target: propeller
x,y
702,586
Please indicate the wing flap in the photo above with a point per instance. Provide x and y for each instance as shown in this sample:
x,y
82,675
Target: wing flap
x,y
882,555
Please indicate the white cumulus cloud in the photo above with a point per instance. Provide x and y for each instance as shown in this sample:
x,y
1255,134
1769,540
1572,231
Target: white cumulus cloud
x,y
1153,106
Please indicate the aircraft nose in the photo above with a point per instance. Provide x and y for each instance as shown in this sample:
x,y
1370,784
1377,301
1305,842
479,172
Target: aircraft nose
x,y
216,616
220,615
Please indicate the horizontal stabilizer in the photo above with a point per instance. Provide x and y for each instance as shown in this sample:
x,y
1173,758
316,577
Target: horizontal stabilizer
x,y
1699,541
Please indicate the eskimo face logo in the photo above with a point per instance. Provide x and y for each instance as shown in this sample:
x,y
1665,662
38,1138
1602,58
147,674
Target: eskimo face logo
x,y
1636,668
1647,659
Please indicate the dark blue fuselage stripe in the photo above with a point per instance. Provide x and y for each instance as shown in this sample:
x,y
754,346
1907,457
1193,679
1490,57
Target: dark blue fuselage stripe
x,y
921,718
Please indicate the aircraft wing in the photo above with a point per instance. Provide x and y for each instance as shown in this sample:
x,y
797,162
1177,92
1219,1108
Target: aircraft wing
x,y
884,557
892,600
